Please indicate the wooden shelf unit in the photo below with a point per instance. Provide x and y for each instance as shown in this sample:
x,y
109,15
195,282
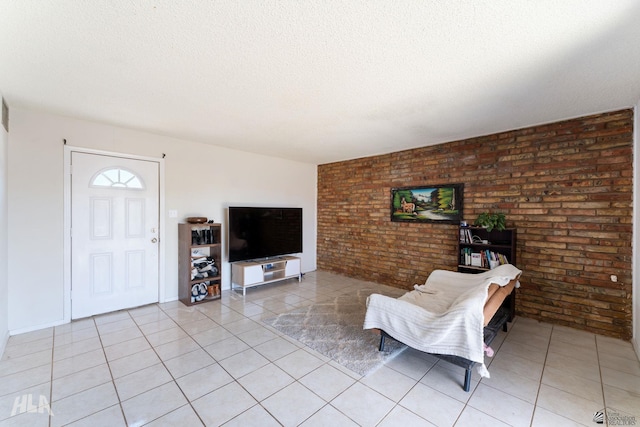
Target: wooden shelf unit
x,y
189,248
501,242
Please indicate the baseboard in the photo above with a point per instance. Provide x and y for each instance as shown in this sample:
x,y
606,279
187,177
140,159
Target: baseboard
x,y
3,343
636,346
36,327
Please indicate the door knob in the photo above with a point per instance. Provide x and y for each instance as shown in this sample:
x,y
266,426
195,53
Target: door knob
x,y
154,240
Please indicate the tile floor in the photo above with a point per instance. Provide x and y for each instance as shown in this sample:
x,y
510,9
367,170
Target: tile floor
x,y
217,364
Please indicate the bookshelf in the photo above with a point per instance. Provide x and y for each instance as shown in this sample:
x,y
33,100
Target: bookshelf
x,y
480,249
477,247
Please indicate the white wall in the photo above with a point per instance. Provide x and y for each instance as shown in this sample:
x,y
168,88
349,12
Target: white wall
x,y
635,292
4,289
200,180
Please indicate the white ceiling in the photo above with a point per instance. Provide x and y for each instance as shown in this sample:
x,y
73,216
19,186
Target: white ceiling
x,y
320,80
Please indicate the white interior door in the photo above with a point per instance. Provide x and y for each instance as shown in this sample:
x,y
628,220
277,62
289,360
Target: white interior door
x,y
114,233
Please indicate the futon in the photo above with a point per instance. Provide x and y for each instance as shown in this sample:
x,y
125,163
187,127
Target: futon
x,y
452,316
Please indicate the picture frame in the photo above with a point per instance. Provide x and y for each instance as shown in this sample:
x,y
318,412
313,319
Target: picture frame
x,y
427,203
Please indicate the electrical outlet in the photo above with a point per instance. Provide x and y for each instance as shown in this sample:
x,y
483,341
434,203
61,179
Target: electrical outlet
x,y
173,213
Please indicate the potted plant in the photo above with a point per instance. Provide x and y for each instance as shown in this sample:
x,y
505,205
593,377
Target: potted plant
x,y
491,221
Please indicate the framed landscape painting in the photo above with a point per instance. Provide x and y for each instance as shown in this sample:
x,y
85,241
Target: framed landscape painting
x,y
428,203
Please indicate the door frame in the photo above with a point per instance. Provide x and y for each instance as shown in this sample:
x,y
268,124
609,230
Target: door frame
x,y
66,279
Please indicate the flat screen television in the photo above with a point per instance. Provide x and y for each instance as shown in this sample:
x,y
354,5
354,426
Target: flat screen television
x,y
256,232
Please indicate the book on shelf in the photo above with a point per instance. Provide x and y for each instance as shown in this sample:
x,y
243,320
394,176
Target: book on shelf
x,y
465,235
483,258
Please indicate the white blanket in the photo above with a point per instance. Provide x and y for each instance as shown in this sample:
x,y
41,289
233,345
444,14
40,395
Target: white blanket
x,y
443,316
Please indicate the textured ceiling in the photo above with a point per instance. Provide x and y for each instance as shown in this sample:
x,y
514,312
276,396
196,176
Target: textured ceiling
x,y
320,81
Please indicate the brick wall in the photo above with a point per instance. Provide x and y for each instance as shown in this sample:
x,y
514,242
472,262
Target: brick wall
x,y
565,187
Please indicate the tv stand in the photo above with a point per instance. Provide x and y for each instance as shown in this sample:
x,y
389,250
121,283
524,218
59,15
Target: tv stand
x,y
247,274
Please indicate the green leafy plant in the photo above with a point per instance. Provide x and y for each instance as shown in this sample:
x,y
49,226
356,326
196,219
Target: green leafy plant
x,y
491,221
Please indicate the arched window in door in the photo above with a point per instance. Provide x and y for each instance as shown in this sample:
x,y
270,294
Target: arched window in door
x,y
117,178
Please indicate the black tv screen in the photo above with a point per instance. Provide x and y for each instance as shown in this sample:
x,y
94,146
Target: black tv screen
x,y
256,232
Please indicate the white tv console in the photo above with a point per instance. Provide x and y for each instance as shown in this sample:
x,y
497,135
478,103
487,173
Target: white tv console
x,y
247,274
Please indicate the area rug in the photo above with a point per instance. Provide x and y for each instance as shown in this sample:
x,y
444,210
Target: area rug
x,y
334,329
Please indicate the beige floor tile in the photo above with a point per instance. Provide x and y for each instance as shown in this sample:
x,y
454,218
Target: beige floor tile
x,y
275,348
327,382
575,337
141,381
265,381
120,336
412,363
23,401
518,349
430,404
78,363
389,383
153,404
243,363
176,348
13,383
619,363
75,325
257,336
621,380
538,341
158,326
226,348
329,416
503,406
166,336
471,417
567,405
28,337
117,326
24,348
132,363
189,362
622,400
545,418
212,336
203,381
30,419
74,336
450,381
111,317
223,404
400,416
199,326
293,404
583,387
299,363
110,417
256,416
573,366
76,348
153,317
181,417
580,353
242,325
126,348
522,367
513,384
80,381
74,407
13,365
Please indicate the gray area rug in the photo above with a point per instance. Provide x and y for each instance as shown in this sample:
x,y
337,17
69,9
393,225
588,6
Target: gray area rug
x,y
334,328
